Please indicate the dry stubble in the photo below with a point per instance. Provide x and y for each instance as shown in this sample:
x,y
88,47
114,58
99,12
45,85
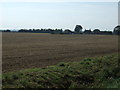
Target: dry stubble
x,y
30,50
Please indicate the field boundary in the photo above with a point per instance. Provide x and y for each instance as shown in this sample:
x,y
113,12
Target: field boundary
x,y
98,72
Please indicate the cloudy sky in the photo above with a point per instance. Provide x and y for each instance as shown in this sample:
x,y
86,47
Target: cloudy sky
x,y
65,15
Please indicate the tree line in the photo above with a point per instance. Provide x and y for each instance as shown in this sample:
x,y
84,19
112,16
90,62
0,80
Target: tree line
x,y
77,30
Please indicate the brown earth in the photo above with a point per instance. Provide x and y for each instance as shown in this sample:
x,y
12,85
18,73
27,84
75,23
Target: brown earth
x,y
31,50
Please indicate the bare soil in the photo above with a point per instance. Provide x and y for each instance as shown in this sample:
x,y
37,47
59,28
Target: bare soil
x,y
33,50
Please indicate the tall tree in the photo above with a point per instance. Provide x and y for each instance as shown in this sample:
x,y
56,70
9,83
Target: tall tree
x,y
117,30
78,29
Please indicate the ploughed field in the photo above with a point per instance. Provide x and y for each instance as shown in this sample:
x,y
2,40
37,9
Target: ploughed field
x,y
33,50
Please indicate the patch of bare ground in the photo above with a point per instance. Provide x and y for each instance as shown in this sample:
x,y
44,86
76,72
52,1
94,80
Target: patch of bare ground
x,y
32,50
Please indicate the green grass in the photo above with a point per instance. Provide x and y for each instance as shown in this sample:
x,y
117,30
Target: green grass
x,y
101,72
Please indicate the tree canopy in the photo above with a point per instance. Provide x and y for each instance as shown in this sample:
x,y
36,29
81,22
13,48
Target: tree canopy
x,y
117,30
78,29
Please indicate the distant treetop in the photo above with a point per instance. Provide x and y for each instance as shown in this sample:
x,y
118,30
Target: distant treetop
x,y
117,30
78,29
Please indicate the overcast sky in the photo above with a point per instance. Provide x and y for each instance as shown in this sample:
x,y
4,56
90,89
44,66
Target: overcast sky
x,y
65,15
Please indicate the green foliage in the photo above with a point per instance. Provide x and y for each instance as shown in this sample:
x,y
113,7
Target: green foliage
x,y
61,64
102,72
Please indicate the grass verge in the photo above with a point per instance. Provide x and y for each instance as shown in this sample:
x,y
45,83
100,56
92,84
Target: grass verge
x,y
101,72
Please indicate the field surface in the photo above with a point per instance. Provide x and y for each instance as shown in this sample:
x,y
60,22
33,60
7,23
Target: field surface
x,y
33,50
